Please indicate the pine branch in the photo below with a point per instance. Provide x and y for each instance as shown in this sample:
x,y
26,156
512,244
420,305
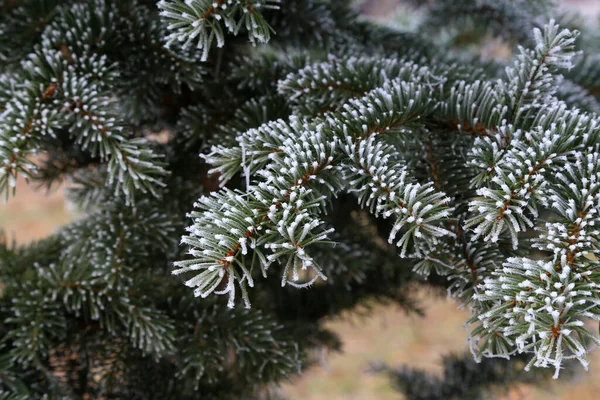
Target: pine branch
x,y
256,148
250,334
73,96
383,187
539,306
523,170
39,321
530,81
277,211
200,20
326,86
260,72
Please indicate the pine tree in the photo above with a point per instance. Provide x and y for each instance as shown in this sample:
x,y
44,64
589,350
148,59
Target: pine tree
x,y
253,148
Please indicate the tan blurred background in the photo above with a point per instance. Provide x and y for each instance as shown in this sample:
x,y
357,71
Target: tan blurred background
x,y
388,335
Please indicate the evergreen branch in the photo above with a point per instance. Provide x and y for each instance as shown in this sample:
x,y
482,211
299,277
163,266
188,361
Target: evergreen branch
x,y
256,346
276,215
525,168
476,109
39,322
529,316
150,330
325,86
492,110
71,94
295,179
543,304
530,81
568,240
383,186
133,37
261,72
511,205
200,20
256,148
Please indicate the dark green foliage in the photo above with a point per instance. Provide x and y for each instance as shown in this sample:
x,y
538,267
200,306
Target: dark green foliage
x,y
462,378
318,159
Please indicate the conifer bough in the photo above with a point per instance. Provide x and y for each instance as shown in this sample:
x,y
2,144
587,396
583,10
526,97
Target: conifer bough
x,y
524,138
201,21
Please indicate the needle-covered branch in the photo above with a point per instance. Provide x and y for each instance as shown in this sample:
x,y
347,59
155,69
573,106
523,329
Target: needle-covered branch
x,y
299,168
202,21
541,306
